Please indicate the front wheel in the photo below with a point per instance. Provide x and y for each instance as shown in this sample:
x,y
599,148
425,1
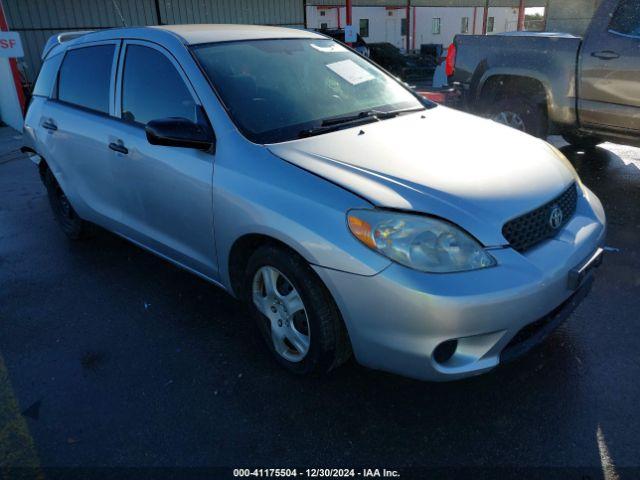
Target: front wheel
x,y
295,312
522,114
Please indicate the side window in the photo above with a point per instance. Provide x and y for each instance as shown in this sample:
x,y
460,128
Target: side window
x,y
85,77
152,88
47,76
626,19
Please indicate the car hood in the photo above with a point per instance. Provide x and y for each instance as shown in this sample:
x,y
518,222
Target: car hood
x,y
468,170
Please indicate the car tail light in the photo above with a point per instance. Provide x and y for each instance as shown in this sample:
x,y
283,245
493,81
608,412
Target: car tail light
x,y
450,65
438,97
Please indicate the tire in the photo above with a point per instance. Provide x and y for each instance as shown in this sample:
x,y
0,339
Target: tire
x,y
72,225
327,343
521,113
581,141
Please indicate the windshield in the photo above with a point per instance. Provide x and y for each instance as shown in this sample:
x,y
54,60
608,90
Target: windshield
x,y
276,89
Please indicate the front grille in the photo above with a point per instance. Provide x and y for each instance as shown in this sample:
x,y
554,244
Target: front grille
x,y
529,229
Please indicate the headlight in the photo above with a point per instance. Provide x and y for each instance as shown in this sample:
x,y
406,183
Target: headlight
x,y
419,242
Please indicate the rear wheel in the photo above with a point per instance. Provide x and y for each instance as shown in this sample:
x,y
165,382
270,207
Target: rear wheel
x,y
582,141
72,225
521,113
296,314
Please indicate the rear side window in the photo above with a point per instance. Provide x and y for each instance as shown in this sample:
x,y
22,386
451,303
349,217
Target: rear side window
x,y
47,76
626,19
85,77
152,88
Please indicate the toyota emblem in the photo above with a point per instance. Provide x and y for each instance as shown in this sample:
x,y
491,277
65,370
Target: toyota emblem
x,y
556,217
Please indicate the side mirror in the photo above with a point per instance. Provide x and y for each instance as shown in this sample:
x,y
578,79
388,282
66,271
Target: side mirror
x,y
180,132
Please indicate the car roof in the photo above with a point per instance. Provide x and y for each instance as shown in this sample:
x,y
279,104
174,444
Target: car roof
x,y
191,34
208,33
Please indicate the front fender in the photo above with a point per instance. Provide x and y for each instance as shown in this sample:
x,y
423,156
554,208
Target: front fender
x,y
256,192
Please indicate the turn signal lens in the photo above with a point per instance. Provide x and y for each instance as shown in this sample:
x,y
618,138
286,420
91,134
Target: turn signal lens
x,y
361,230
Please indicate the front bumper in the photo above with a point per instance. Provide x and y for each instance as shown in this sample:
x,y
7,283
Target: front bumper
x,y
397,318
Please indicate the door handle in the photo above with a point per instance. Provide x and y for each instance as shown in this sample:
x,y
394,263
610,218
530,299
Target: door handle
x,y
605,55
118,147
49,125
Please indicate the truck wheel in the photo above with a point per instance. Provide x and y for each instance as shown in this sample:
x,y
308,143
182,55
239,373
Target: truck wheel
x,y
522,114
581,141
72,225
295,313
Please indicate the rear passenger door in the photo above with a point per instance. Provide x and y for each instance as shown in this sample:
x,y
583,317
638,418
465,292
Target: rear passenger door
x,y
167,200
609,95
72,128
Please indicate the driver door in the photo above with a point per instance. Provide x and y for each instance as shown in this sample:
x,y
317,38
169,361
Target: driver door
x,y
167,199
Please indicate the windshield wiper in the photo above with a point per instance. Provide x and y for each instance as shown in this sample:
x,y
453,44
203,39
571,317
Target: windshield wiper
x,y
349,118
378,114
366,116
332,126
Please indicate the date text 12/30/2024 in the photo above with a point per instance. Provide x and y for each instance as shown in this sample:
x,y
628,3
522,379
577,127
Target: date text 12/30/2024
x,y
316,472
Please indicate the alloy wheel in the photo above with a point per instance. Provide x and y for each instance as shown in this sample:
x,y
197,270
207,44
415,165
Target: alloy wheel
x,y
511,119
278,300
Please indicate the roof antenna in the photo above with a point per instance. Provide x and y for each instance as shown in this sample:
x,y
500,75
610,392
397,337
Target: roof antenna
x,y
115,5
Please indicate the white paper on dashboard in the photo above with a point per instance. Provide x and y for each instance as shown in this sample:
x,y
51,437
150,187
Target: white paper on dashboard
x,y
350,71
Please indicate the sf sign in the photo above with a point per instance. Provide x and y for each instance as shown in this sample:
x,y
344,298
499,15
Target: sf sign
x,y
10,45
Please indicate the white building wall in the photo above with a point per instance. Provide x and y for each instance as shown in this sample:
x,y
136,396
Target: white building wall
x,y
506,19
386,27
450,24
384,24
10,110
316,16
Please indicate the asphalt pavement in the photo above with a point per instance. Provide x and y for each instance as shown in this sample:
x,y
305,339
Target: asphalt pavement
x,y
112,357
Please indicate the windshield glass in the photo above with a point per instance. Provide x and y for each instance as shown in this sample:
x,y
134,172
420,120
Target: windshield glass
x,y
274,89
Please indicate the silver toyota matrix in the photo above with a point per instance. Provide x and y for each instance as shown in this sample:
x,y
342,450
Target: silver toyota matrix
x,y
349,213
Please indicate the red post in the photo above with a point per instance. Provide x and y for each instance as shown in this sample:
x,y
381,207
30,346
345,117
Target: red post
x,y
521,16
475,15
13,64
349,16
415,22
408,25
485,17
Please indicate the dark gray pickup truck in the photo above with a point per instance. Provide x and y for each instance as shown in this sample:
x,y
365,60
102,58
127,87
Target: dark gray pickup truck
x,y
586,89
